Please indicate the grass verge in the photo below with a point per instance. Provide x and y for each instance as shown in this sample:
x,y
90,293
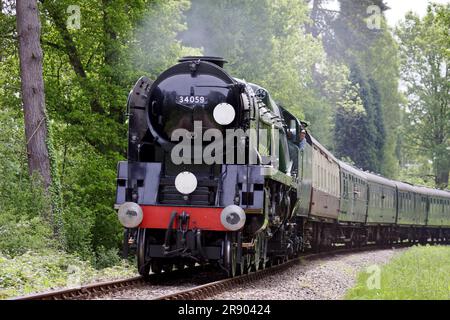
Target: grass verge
x,y
420,273
50,269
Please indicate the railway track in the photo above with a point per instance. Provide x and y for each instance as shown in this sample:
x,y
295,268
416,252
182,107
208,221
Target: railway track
x,y
203,291
213,288
85,292
96,290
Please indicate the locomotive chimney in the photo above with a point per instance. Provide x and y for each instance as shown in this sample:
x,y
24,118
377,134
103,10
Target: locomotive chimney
x,y
219,61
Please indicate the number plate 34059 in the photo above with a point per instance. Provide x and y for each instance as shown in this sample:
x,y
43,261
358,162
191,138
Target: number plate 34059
x,y
192,99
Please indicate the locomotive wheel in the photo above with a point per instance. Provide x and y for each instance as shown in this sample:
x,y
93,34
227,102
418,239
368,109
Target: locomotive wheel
x,y
264,258
142,263
257,256
241,266
230,256
263,264
248,264
180,265
233,262
167,267
156,266
270,262
257,263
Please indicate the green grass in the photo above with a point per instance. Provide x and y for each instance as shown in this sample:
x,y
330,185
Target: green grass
x,y
420,273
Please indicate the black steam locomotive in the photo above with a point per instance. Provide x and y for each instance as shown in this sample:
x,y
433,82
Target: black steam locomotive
x,y
215,174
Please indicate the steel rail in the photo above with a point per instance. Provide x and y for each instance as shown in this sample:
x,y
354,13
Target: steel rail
x,y
85,291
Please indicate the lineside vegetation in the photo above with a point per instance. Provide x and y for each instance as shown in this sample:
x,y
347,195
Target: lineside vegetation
x,y
421,273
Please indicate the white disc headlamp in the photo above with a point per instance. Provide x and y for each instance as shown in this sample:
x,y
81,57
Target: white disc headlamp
x,y
130,215
224,114
186,182
232,217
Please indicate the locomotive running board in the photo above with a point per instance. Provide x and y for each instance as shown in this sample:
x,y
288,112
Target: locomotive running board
x,y
276,175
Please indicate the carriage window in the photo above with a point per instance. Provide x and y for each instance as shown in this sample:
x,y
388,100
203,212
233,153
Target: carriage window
x,y
337,184
319,176
333,188
329,182
323,178
316,170
345,188
380,198
377,198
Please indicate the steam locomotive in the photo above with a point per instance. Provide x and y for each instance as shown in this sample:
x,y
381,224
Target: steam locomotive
x,y
215,174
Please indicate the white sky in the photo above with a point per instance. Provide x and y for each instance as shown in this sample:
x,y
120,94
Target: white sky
x,y
400,7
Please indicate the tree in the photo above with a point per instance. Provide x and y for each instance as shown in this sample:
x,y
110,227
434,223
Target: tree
x,y
425,49
359,127
266,42
371,55
30,52
88,74
263,41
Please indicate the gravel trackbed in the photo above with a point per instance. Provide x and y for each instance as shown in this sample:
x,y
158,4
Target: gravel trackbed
x,y
325,279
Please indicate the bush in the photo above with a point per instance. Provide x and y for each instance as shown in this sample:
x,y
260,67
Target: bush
x,y
106,257
88,191
20,234
22,199
78,224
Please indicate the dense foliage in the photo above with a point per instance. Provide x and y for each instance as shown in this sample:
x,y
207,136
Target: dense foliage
x,y
39,271
324,65
88,73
